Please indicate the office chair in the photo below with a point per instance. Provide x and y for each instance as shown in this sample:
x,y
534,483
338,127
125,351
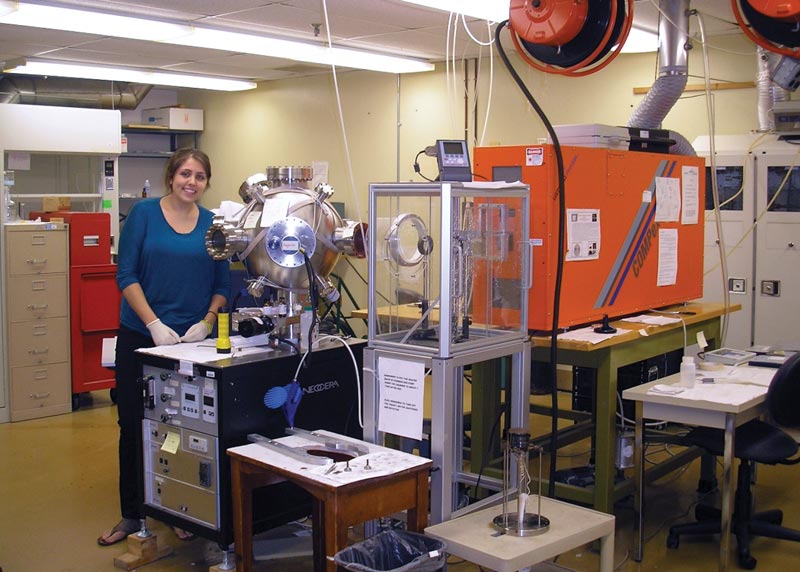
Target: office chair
x,y
755,442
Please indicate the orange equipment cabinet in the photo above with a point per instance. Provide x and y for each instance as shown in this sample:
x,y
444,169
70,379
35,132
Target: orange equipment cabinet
x,y
94,298
623,255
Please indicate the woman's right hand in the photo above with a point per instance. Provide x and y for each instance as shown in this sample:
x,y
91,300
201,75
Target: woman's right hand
x,y
162,335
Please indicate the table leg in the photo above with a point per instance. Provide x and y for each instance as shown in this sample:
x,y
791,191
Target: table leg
x,y
242,501
727,494
318,535
605,436
417,516
607,552
335,519
638,498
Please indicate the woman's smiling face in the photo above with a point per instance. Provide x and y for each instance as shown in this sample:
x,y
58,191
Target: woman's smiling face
x,y
189,181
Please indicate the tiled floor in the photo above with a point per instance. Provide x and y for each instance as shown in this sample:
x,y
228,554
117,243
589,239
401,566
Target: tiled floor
x,y
58,492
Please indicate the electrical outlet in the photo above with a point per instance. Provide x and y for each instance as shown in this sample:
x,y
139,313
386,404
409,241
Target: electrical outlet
x,y
770,287
737,285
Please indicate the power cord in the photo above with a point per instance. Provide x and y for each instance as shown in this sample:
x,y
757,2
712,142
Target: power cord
x,y
417,168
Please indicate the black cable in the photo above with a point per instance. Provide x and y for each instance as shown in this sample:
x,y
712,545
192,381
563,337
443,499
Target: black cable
x,y
488,452
313,292
416,167
560,264
364,280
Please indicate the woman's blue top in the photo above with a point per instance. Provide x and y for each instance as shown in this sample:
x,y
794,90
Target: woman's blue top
x,y
176,273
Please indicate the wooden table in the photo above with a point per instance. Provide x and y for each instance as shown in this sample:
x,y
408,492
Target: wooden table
x,y
473,538
335,505
704,411
606,358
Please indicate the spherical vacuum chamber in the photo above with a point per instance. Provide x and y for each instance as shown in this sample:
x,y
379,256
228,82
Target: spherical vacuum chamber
x,y
287,234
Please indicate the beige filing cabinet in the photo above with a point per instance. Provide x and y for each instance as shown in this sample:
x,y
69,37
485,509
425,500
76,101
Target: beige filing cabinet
x,y
37,319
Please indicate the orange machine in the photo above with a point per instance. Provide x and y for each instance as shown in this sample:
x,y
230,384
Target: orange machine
x,y
634,229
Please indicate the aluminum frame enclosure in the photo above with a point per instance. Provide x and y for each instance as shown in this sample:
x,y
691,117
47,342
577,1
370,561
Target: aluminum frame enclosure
x,y
459,253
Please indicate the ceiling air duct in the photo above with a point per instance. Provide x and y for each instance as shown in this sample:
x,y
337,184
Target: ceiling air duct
x,y
673,35
68,92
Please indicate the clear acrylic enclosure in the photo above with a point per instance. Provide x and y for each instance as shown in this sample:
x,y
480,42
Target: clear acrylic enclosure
x,y
449,266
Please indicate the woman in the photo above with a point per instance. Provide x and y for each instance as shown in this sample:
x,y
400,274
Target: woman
x,y
172,290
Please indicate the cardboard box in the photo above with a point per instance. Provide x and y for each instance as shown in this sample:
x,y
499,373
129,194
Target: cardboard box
x,y
56,203
174,118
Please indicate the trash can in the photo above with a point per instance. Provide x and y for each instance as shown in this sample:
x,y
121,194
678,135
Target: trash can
x,y
394,551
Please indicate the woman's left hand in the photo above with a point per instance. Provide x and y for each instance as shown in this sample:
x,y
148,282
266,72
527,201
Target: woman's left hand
x,y
197,332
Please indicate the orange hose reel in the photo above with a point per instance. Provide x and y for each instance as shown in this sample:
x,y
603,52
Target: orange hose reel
x,y
569,37
773,25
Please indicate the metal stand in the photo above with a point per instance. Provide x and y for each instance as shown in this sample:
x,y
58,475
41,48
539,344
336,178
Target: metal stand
x,y
520,523
447,425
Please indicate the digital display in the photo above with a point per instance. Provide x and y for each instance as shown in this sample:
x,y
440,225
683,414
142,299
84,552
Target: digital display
x,y
453,148
188,397
209,401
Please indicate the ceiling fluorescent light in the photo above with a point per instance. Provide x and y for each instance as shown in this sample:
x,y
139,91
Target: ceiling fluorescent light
x,y
640,41
305,52
129,75
493,10
69,20
41,16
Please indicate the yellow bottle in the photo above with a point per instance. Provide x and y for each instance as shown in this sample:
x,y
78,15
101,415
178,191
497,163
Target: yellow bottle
x,y
223,332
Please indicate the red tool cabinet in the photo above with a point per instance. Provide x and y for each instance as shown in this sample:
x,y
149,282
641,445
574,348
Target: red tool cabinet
x,y
94,298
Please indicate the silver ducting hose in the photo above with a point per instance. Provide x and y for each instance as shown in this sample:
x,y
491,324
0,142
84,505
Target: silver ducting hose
x,y
768,92
661,98
673,33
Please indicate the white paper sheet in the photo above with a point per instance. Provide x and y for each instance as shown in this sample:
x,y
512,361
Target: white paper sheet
x,y
589,335
583,234
651,320
382,461
401,386
201,352
690,210
668,199
667,256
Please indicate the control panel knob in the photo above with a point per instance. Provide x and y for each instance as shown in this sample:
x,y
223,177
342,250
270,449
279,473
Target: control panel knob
x,y
164,397
166,417
165,375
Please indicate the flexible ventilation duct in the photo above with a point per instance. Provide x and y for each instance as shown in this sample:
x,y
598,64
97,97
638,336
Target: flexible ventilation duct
x,y
672,74
67,92
768,91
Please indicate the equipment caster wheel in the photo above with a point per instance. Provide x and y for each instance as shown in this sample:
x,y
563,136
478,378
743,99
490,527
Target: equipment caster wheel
x,y
113,393
673,540
76,401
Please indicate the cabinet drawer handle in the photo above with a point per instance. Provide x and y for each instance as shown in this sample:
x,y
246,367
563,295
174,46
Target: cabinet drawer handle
x,y
38,351
36,261
40,395
40,374
40,330
36,306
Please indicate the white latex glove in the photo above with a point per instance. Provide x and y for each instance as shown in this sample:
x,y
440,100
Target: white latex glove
x,y
162,335
197,333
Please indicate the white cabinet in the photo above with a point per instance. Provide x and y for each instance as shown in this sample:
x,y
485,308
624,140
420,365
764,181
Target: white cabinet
x,y
37,319
759,181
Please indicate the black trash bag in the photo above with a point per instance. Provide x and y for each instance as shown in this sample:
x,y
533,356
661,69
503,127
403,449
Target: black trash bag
x,y
393,551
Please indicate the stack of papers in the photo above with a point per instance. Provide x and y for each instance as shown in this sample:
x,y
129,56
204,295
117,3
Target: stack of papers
x,y
651,320
589,335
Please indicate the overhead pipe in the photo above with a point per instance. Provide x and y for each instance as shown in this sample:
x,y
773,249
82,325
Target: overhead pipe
x,y
68,92
673,35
